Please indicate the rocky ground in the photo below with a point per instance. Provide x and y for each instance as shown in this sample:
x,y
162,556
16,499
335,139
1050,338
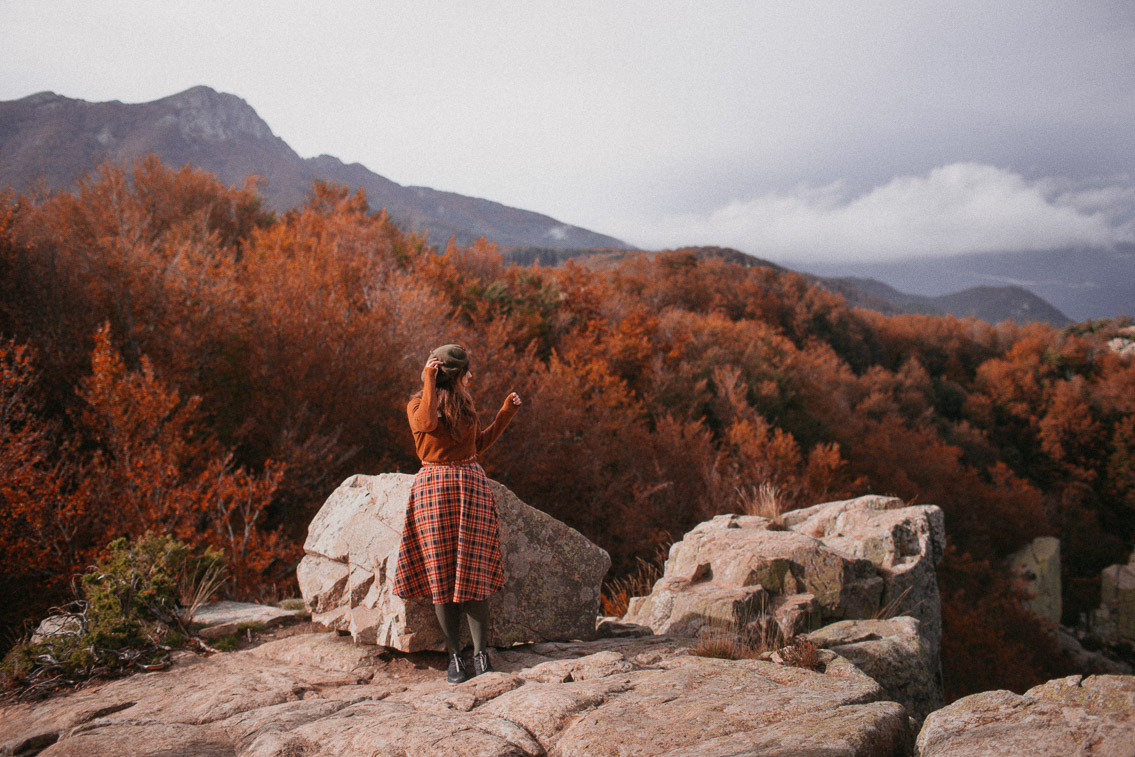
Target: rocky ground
x,y
304,694
291,691
1067,716
855,578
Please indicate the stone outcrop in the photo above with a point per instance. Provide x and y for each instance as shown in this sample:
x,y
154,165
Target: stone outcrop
x,y
320,694
854,560
1086,661
905,544
1123,343
1122,346
733,571
857,558
346,576
1067,716
893,653
1089,661
1038,565
1114,621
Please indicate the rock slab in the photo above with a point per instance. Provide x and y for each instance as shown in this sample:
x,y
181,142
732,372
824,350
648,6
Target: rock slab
x,y
894,654
226,617
1092,716
321,695
553,572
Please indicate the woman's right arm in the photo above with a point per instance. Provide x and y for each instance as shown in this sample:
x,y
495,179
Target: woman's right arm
x,y
489,434
422,411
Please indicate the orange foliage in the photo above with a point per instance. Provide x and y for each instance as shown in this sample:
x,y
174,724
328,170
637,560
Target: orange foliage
x,y
658,388
39,523
989,640
153,470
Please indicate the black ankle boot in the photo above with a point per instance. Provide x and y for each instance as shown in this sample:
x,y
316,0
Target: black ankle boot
x,y
481,663
456,672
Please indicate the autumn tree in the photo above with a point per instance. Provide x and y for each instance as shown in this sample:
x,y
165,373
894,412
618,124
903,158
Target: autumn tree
x,y
154,468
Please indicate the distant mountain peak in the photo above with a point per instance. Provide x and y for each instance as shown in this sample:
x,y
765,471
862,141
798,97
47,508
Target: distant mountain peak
x,y
203,113
991,304
54,140
41,98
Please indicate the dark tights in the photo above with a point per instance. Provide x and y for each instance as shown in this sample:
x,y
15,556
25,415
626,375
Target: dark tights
x,y
449,615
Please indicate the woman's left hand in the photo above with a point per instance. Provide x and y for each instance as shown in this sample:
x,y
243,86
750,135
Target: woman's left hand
x,y
513,399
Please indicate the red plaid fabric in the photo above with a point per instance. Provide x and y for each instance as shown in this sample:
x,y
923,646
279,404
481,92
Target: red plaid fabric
x,y
451,549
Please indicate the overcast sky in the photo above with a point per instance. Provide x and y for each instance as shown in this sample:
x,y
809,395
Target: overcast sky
x,y
792,130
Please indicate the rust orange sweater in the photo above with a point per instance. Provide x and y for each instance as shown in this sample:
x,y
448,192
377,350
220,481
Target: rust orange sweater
x,y
435,445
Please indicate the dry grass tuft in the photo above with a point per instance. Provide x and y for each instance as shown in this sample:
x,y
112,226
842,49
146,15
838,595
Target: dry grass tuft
x,y
196,589
765,500
891,609
802,652
617,592
762,640
722,647
738,641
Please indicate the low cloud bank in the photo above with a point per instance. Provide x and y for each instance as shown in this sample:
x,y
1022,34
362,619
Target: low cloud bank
x,y
955,209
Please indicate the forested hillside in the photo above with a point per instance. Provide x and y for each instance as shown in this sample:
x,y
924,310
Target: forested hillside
x,y
174,358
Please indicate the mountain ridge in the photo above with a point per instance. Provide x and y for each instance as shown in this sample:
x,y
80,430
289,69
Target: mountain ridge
x,y
53,139
991,304
988,303
1084,283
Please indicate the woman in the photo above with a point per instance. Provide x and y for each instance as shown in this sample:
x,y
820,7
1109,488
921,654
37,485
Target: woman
x,y
450,550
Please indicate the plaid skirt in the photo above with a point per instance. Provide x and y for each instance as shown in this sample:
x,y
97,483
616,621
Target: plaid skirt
x,y
451,549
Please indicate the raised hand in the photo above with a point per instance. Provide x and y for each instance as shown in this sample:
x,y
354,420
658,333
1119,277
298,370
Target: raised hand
x,y
429,373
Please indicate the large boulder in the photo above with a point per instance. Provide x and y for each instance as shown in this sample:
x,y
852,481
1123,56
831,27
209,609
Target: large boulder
x,y
347,574
904,543
1074,715
733,570
893,653
859,558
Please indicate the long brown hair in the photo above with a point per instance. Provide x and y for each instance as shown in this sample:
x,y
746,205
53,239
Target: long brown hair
x,y
454,404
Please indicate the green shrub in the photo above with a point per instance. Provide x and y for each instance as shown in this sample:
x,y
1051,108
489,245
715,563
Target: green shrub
x,y
133,608
136,594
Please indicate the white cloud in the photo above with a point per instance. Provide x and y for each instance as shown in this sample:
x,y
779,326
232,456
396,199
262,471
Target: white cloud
x,y
954,209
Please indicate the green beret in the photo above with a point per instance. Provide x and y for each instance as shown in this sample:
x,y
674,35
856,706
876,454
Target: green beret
x,y
454,361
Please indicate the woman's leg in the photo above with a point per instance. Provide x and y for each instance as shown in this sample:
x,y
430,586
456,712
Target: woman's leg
x,y
478,614
449,616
